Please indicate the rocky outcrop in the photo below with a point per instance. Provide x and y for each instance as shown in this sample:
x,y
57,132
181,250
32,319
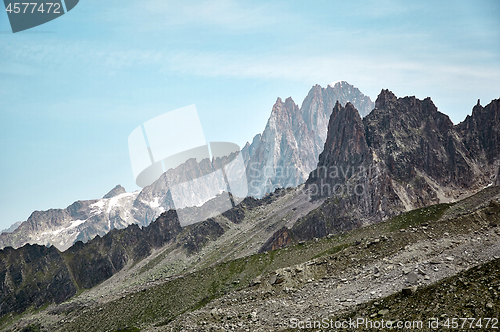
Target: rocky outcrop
x,y
200,234
357,186
279,239
412,137
404,155
480,132
345,150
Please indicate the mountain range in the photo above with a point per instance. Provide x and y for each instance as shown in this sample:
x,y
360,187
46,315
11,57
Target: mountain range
x,y
290,143
401,186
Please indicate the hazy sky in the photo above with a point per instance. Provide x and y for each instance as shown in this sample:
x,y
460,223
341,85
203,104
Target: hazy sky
x,y
72,90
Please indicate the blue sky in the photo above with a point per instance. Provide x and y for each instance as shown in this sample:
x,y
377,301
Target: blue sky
x,y
72,90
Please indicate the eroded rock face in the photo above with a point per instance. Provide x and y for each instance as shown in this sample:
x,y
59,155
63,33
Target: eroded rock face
x,y
412,136
199,234
356,185
345,149
404,155
279,239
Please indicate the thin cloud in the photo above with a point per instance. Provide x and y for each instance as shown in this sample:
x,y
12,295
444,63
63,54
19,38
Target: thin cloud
x,y
311,68
379,69
228,16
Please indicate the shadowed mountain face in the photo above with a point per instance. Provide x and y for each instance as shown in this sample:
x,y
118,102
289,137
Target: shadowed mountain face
x,y
411,136
416,141
404,155
34,275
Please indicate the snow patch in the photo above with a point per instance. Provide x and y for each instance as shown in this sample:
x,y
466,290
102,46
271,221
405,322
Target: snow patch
x,y
336,82
74,223
98,206
155,204
114,201
107,204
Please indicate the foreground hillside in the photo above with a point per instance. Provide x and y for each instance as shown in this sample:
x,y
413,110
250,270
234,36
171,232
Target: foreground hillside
x,y
326,277
466,301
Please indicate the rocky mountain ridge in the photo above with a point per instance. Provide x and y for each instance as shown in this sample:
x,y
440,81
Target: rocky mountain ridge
x,y
81,220
12,227
404,155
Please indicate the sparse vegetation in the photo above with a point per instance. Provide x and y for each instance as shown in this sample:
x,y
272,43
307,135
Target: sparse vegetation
x,y
194,290
418,216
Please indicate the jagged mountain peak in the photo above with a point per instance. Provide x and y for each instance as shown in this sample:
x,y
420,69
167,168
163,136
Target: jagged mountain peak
x,y
346,142
348,110
283,115
481,131
341,91
408,113
384,98
117,190
289,101
288,104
